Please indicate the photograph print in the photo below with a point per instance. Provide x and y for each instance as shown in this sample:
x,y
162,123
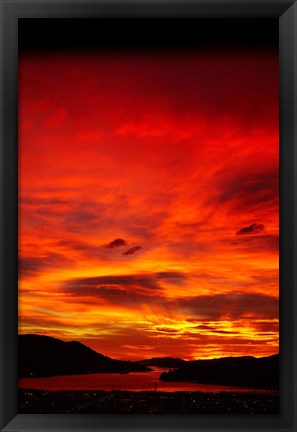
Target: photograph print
x,y
148,219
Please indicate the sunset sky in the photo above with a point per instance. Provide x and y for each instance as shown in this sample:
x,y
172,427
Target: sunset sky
x,y
148,200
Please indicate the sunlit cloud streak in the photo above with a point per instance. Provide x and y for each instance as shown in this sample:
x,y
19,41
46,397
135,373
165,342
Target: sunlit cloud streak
x,y
148,201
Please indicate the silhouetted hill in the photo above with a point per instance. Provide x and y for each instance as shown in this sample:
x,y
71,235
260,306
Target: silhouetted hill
x,y
46,356
165,362
230,371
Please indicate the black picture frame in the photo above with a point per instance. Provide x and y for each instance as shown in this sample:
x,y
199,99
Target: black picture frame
x,y
286,14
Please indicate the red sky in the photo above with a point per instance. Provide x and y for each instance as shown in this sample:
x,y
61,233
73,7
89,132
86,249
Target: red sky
x,y
175,156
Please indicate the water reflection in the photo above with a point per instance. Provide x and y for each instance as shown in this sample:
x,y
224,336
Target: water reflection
x,y
136,381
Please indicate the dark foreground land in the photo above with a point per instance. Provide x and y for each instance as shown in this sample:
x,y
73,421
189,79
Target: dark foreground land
x,y
125,402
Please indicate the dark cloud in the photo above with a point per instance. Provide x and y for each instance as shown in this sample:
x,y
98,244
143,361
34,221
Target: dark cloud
x,y
172,277
75,245
230,306
118,242
108,291
31,264
144,280
268,276
122,290
248,189
135,290
41,321
251,229
132,297
170,274
212,329
235,340
132,250
266,326
269,242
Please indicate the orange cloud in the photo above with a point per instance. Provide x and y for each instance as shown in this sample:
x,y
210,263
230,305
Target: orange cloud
x,y
148,201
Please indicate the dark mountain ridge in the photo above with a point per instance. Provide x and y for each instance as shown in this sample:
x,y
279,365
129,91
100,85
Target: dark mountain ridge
x,y
165,362
42,356
246,371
